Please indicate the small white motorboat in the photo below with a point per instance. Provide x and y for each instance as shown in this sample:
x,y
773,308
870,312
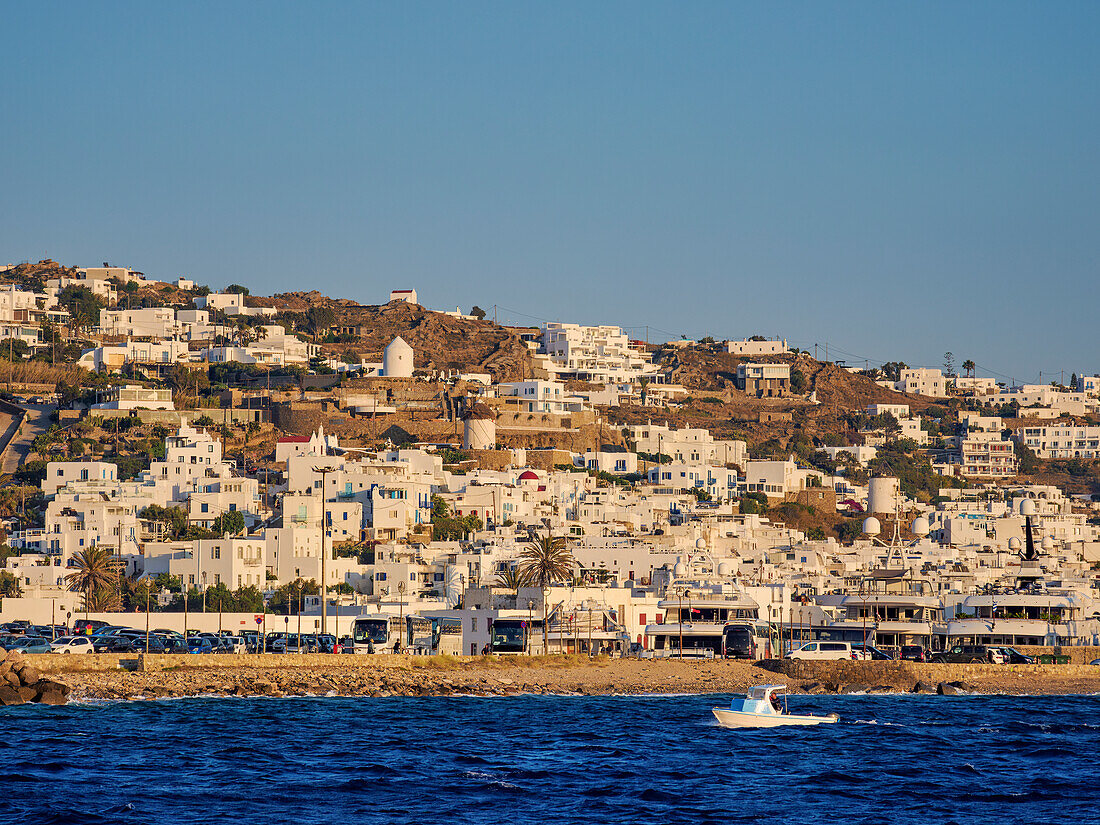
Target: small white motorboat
x,y
761,709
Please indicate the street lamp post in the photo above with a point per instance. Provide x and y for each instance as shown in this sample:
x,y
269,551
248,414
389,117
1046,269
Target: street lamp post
x,y
590,629
680,620
324,471
530,612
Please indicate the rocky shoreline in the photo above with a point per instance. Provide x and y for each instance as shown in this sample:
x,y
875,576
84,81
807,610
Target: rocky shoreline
x,y
21,682
275,676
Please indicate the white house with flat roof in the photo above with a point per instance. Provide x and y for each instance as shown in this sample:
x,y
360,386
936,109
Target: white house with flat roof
x,y
1061,440
135,397
922,381
764,380
147,322
600,354
689,445
749,346
60,473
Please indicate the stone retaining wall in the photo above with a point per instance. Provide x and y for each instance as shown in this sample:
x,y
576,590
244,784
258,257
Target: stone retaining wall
x,y
904,674
154,662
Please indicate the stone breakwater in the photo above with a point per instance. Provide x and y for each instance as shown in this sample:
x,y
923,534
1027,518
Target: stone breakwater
x,y
156,676
21,682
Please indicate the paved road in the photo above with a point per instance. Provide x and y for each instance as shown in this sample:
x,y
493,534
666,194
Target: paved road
x,y
36,422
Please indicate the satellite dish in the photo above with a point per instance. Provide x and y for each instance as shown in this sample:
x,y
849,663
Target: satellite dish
x,y
680,569
1027,507
700,544
724,569
871,526
921,527
1048,543
1015,544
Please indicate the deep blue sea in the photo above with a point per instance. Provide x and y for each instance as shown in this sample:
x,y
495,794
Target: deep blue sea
x,y
891,759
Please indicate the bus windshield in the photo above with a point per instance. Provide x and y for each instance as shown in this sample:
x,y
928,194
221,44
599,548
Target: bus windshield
x,y
370,630
509,635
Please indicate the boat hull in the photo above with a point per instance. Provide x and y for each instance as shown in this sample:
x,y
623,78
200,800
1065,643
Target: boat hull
x,y
740,719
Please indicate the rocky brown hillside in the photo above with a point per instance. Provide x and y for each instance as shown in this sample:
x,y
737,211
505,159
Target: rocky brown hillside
x,y
439,341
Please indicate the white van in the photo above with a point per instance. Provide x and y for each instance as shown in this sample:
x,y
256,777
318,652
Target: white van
x,y
822,650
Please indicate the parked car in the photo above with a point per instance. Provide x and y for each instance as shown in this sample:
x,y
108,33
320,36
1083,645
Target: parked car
x,y
1012,656
913,653
72,644
112,644
970,654
87,626
327,643
822,650
107,631
199,644
869,652
31,644
236,644
156,644
173,644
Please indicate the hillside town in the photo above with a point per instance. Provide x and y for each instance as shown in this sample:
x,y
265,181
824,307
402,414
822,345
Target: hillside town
x,y
220,460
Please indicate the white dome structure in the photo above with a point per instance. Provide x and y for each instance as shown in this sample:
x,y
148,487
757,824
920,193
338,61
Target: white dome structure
x,y
725,569
1047,543
1027,507
397,360
1014,544
871,526
921,527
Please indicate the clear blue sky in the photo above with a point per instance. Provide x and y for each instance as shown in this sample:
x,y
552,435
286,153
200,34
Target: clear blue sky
x,y
895,180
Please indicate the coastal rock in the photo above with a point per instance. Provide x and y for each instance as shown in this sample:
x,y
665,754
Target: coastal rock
x,y
947,689
28,674
923,687
854,688
52,698
47,685
28,694
10,696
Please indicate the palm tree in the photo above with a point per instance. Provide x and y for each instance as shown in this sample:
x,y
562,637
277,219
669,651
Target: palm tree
x,y
510,577
969,367
96,575
545,561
